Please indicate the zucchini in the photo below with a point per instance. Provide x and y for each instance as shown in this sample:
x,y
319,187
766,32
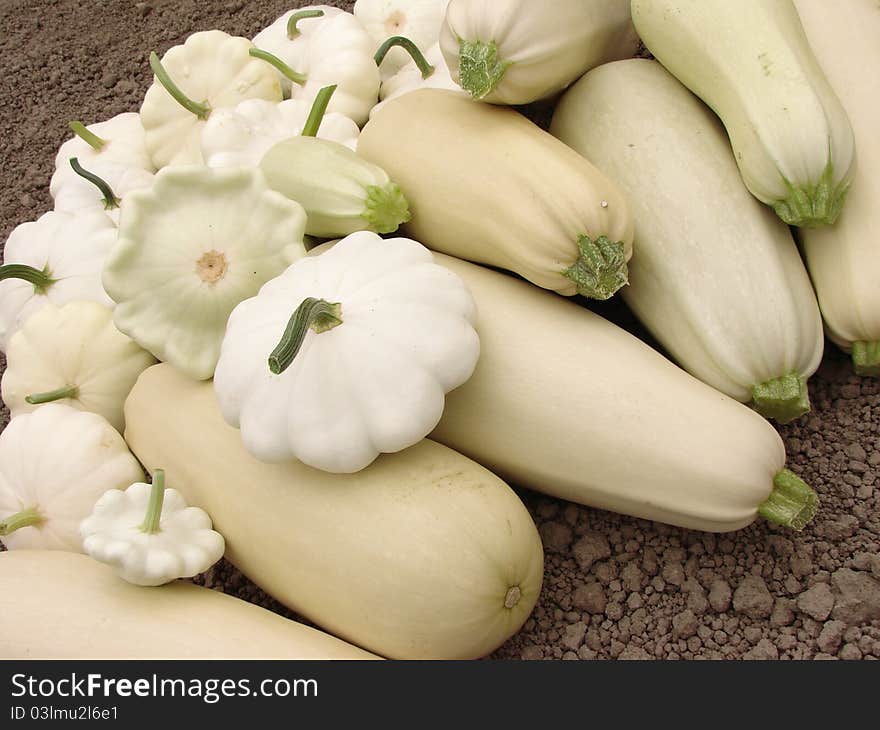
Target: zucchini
x,y
717,277
422,555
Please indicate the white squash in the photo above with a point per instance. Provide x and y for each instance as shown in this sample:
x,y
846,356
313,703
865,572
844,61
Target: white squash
x,y
519,51
60,605
72,354
844,260
717,277
423,555
750,61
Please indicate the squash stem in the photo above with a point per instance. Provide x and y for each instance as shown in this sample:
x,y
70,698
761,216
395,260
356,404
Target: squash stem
x,y
92,139
480,69
814,204
279,65
202,111
41,280
601,268
292,30
411,48
866,358
317,112
29,517
154,508
792,503
107,194
387,208
68,391
316,314
783,399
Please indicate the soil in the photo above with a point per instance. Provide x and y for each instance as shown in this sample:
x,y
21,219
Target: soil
x,y
615,587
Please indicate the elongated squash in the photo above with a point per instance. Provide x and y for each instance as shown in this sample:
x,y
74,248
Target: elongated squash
x,y
487,185
58,605
750,61
566,403
717,277
423,555
844,260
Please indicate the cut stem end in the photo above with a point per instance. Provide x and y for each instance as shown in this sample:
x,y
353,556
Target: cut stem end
x,y
386,208
90,138
315,314
41,280
866,358
29,517
292,30
814,205
279,65
317,112
68,391
154,507
202,111
783,399
600,270
792,503
107,194
479,68
399,41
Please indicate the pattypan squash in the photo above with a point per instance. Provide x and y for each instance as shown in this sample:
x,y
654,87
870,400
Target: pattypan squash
x,y
418,20
54,465
192,247
57,258
347,355
74,355
118,141
149,535
320,45
241,136
100,188
211,70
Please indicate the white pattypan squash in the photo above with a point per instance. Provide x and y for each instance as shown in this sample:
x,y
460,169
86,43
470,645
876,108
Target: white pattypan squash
x,y
321,46
99,188
74,355
57,258
430,73
117,141
192,247
211,70
418,20
347,355
54,465
240,137
150,535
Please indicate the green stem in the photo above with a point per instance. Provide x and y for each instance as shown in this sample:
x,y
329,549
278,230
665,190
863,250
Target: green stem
x,y
815,204
40,279
29,517
109,197
601,268
316,314
319,109
279,65
411,48
784,398
791,503
154,507
866,358
202,111
292,30
93,140
386,208
68,391
479,68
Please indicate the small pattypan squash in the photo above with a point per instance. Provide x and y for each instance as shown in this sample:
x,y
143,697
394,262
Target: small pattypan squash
x,y
73,355
192,247
211,70
150,535
347,355
241,136
54,465
57,258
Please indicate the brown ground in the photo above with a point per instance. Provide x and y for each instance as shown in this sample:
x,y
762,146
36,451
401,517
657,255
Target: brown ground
x,y
615,586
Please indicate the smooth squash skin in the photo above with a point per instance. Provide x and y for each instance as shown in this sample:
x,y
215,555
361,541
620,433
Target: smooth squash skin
x,y
422,555
750,61
487,185
566,403
58,605
717,278
844,260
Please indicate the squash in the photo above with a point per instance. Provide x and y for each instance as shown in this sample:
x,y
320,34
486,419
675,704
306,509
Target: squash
x,y
568,404
718,278
423,555
486,184
750,61
67,606
844,260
